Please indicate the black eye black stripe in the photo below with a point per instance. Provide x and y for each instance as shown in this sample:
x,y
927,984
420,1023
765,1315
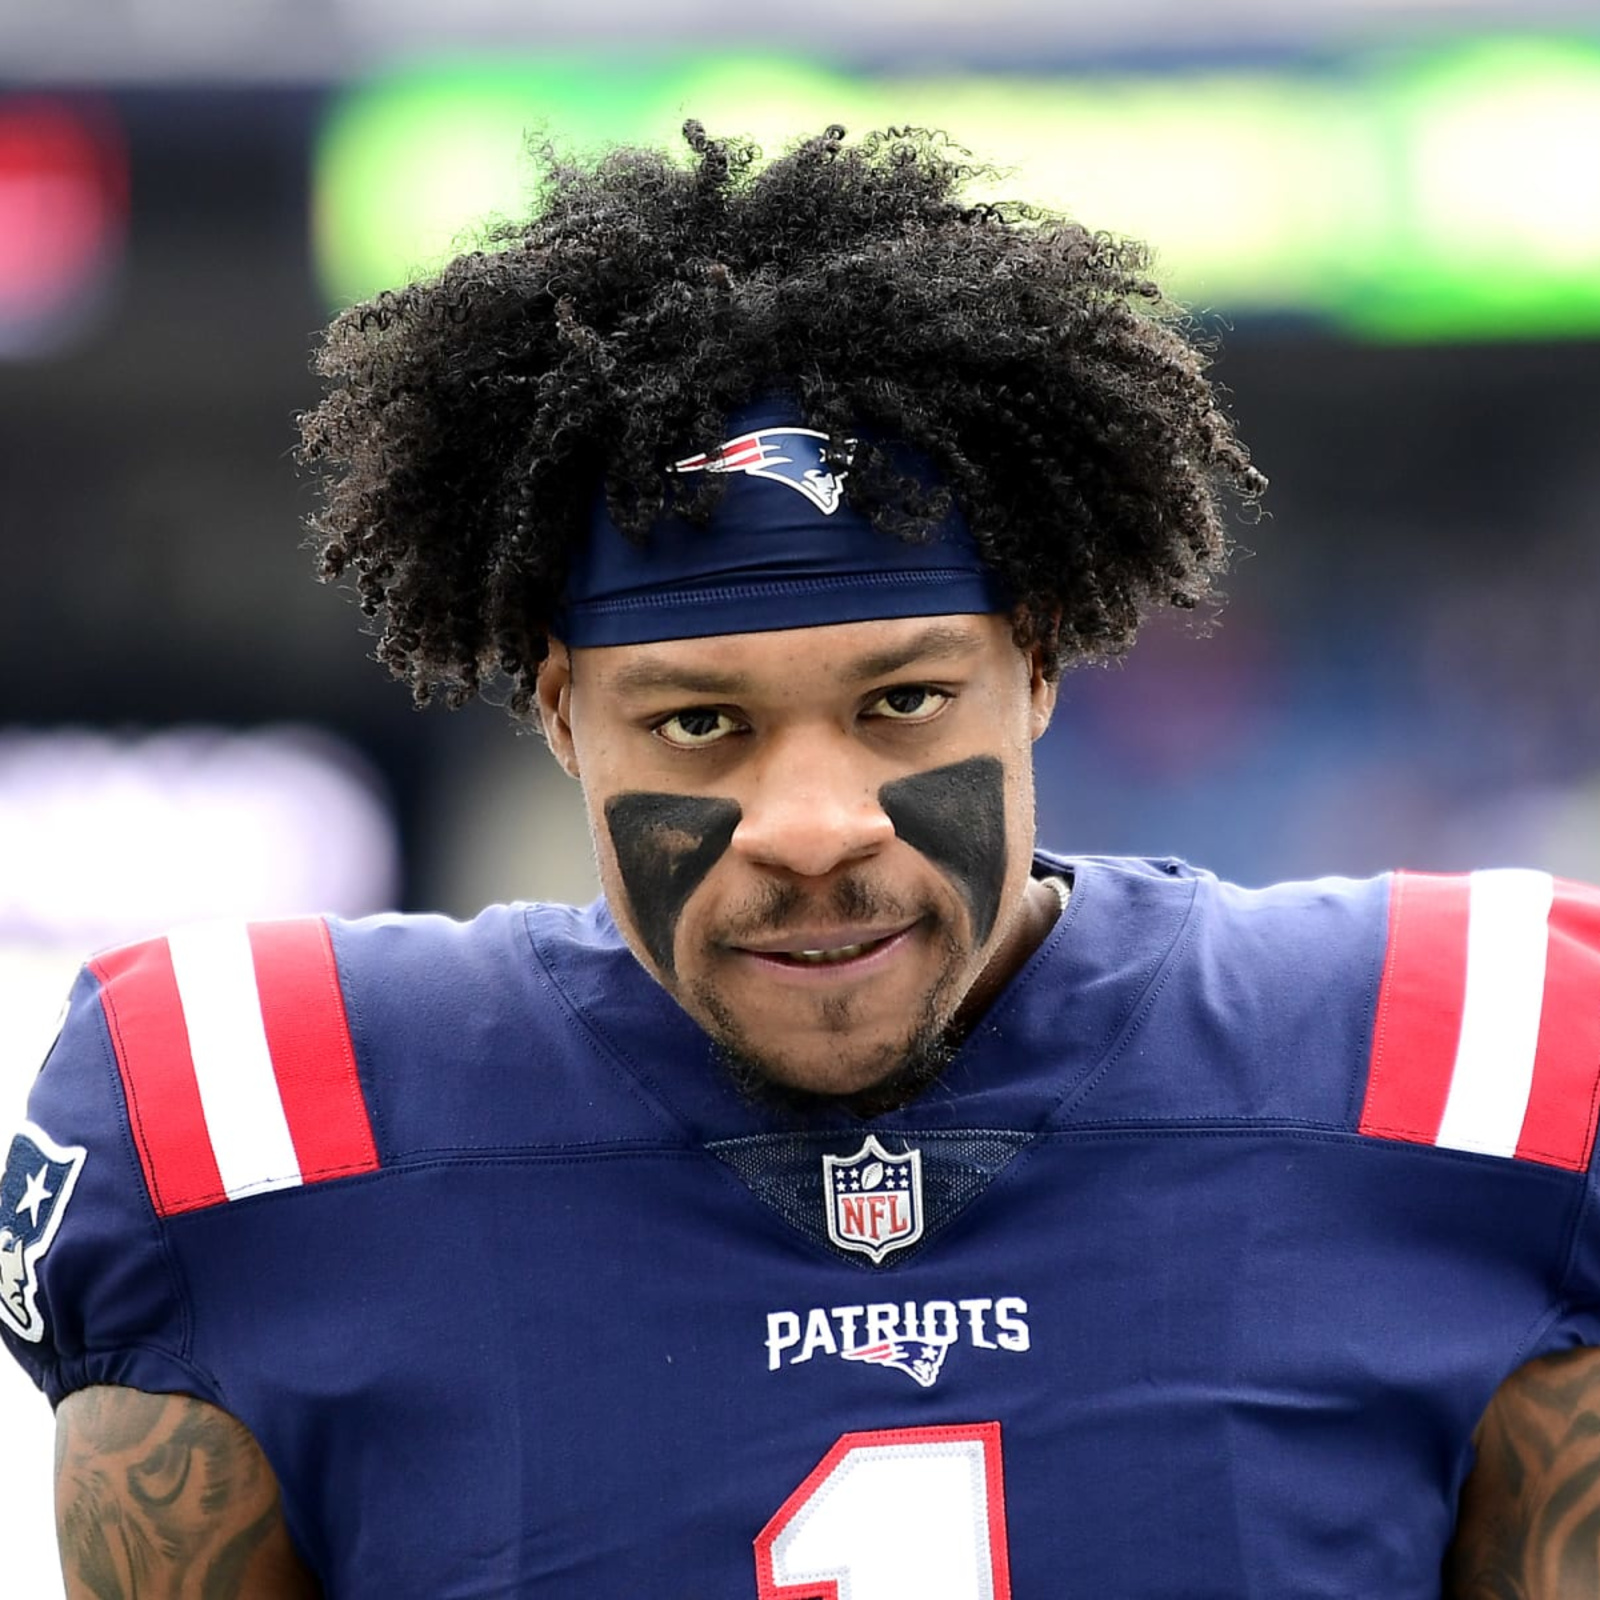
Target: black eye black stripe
x,y
956,817
665,845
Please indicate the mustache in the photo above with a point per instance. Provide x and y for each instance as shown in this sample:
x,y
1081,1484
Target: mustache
x,y
781,906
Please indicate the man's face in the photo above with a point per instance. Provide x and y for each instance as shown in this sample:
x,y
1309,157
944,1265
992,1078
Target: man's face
x,y
818,840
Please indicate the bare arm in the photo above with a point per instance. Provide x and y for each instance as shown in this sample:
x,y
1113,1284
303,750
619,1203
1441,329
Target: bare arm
x,y
163,1497
1529,1527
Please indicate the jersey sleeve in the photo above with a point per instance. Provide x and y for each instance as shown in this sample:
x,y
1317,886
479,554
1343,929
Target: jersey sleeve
x,y
89,1292
1486,1039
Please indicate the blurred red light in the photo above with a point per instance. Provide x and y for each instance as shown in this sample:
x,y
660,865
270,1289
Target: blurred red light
x,y
63,212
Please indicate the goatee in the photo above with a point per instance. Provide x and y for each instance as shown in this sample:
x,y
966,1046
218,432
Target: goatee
x,y
919,1063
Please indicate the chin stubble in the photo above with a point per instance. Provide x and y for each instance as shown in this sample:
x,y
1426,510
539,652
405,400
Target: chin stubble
x,y
906,1070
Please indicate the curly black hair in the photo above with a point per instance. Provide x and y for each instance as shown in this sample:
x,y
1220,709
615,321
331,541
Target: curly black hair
x,y
470,418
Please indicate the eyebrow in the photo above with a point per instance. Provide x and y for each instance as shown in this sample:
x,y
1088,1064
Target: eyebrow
x,y
651,677
940,641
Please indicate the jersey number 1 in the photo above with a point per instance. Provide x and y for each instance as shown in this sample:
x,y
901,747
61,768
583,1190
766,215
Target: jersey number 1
x,y
904,1511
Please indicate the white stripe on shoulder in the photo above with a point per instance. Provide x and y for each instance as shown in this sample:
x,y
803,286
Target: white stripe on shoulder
x,y
1507,941
238,1090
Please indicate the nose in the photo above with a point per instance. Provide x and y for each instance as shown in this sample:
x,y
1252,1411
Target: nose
x,y
809,809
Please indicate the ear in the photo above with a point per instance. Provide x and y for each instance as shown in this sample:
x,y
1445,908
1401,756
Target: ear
x,y
553,691
1043,682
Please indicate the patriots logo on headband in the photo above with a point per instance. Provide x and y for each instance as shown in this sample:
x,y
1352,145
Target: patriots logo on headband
x,y
793,456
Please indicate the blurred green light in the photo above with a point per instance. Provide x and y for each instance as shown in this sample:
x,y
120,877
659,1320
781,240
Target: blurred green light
x,y
1215,171
773,100
408,168
1453,193
1497,223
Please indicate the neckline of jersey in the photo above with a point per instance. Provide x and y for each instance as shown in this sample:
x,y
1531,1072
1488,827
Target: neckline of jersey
x,y
1027,1055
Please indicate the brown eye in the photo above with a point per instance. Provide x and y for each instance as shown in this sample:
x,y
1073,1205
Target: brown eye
x,y
911,702
696,727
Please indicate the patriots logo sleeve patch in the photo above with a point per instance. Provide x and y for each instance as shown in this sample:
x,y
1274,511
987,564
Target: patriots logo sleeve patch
x,y
37,1184
1486,1035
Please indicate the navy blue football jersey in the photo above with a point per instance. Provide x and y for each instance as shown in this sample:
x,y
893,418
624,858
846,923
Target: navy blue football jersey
x,y
1189,1278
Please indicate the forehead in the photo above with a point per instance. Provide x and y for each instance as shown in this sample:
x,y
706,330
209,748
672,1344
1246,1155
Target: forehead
x,y
845,654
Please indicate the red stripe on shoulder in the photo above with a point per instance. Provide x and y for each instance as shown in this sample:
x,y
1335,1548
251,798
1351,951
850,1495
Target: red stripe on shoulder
x,y
1417,1025
139,995
1559,1126
308,1036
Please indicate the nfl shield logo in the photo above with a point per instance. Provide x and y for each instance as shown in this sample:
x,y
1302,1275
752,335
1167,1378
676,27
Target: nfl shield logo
x,y
874,1199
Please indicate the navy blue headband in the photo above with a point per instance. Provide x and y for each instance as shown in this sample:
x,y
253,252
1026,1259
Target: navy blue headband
x,y
783,549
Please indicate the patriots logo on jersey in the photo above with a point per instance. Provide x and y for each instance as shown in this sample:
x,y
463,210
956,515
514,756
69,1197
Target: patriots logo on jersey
x,y
874,1199
797,457
917,1358
38,1182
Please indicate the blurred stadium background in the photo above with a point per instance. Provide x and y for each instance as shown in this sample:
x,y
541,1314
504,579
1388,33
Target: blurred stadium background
x,y
1391,209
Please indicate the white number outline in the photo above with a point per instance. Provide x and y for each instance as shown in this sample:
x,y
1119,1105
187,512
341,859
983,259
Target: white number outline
x,y
985,1434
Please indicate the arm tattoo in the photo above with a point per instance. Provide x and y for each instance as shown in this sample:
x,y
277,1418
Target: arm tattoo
x,y
163,1497
1529,1527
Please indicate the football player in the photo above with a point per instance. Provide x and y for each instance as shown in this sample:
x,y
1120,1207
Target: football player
x,y
859,1200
